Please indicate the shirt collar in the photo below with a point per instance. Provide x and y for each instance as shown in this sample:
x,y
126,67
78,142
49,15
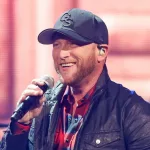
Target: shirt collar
x,y
70,99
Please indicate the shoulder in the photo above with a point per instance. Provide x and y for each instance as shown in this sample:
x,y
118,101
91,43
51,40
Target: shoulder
x,y
125,96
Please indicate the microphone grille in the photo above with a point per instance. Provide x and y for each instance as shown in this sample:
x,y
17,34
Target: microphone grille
x,y
48,80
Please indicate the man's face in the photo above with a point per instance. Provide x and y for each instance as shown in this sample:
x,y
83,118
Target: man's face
x,y
73,62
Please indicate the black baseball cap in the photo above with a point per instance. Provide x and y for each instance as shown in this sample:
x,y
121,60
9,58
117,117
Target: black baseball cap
x,y
78,25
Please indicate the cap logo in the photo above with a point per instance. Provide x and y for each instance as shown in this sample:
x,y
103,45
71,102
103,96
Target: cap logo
x,y
66,20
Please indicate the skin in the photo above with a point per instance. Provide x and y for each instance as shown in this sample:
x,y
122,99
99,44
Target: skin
x,y
85,65
77,66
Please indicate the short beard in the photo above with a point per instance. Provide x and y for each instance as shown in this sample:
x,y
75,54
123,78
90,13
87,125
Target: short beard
x,y
83,71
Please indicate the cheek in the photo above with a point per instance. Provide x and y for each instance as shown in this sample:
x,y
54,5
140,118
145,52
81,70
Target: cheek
x,y
55,55
55,60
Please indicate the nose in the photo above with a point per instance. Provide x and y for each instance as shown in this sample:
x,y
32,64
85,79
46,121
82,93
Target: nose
x,y
64,54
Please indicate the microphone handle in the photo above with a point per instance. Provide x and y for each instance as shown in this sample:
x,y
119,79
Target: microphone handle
x,y
27,104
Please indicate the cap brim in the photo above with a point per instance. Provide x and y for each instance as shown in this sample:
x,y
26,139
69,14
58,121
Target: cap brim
x,y
46,36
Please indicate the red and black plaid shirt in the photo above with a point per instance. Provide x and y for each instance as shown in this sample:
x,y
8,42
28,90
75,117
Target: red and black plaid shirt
x,y
69,123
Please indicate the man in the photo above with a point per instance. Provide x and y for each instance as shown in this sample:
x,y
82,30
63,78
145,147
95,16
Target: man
x,y
85,110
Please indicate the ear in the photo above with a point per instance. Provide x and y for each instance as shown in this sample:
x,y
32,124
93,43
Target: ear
x,y
102,52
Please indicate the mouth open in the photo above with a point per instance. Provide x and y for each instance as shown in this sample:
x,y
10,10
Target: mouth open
x,y
64,65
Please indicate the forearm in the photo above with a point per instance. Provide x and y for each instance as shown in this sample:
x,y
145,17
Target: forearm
x,y
13,141
16,142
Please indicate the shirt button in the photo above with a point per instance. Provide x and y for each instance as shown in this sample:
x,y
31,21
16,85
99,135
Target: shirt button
x,y
76,120
98,141
82,100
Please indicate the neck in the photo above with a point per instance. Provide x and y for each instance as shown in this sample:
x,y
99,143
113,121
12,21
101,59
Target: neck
x,y
79,90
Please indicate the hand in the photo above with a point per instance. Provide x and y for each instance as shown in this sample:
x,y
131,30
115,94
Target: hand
x,y
33,90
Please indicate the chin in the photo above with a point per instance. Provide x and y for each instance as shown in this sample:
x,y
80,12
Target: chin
x,y
66,81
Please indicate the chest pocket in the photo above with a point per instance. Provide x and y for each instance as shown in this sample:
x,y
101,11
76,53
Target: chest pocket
x,y
106,140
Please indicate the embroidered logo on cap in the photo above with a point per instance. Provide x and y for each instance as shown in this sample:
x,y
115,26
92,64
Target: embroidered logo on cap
x,y
66,20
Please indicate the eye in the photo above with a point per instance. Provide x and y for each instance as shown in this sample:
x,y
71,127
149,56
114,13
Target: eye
x,y
55,44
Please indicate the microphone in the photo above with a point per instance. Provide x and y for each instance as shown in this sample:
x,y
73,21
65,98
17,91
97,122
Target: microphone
x,y
30,101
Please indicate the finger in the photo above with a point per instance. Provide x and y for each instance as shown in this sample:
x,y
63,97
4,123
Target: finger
x,y
30,92
42,100
38,82
33,87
